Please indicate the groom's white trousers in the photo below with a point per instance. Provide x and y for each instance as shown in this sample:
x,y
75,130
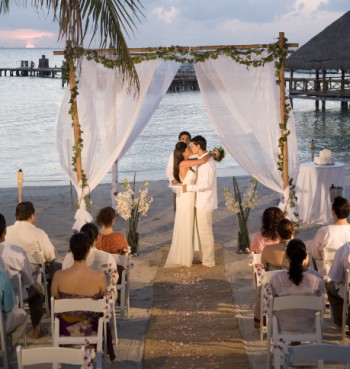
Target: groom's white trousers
x,y
205,236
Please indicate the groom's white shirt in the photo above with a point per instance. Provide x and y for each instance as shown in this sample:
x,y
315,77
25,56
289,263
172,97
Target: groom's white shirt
x,y
207,198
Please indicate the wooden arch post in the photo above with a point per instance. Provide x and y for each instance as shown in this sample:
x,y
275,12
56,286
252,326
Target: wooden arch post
x,y
74,110
283,113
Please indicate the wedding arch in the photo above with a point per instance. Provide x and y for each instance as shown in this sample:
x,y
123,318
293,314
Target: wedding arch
x,y
232,80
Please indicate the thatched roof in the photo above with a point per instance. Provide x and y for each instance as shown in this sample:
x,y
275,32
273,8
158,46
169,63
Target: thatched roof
x,y
330,49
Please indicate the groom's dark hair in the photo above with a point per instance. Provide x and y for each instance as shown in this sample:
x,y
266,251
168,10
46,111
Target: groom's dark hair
x,y
201,141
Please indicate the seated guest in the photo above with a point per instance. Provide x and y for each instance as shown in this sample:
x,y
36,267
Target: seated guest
x,y
268,234
334,235
273,256
108,240
15,318
96,259
31,239
68,284
297,280
13,260
336,285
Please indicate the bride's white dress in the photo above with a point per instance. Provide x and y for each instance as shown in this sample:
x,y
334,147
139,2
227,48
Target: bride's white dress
x,y
181,250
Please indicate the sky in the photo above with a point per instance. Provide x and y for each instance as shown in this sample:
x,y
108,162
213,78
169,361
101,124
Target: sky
x,y
191,23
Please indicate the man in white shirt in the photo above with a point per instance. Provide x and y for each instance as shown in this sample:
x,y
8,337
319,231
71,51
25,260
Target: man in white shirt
x,y
25,234
13,260
334,235
206,200
31,239
336,285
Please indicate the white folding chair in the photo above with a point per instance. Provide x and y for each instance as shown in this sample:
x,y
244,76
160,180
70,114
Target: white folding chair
x,y
265,279
254,260
85,304
16,283
314,303
346,302
4,342
37,258
50,355
123,287
328,257
316,352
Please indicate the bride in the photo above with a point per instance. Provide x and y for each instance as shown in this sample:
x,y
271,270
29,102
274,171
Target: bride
x,y
181,250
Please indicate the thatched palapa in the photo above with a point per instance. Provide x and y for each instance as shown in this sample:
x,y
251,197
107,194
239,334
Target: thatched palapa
x,y
330,49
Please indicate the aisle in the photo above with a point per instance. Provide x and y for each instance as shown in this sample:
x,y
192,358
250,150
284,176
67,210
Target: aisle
x,y
193,322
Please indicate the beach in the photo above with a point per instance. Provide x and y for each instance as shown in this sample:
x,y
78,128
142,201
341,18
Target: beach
x,y
55,209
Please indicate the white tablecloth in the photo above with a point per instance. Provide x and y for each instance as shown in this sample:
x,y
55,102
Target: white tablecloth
x,y
314,181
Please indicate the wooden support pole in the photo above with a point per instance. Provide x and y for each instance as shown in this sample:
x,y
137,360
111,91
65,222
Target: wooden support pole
x,y
76,125
20,185
283,113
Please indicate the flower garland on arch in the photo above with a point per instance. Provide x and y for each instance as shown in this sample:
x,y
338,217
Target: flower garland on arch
x,y
241,55
282,52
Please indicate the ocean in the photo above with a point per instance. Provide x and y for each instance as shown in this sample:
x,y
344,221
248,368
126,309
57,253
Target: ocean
x,y
28,115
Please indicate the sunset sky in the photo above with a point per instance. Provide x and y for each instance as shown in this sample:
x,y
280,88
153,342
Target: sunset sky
x,y
193,22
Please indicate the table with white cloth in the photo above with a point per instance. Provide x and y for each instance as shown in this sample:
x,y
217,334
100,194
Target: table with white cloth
x,y
312,188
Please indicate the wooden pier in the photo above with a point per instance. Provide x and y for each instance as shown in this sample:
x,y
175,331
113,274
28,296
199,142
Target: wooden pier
x,y
31,72
320,89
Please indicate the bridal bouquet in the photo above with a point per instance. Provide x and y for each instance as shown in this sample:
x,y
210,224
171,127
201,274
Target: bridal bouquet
x,y
218,153
241,207
130,207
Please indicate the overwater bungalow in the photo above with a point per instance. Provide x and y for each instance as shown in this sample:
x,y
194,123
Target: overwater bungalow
x,y
327,52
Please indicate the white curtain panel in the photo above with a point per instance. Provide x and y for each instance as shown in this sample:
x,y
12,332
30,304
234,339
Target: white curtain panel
x,y
163,76
243,105
110,119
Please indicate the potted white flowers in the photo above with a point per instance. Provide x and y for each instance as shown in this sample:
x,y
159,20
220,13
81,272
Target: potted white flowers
x,y
241,207
130,207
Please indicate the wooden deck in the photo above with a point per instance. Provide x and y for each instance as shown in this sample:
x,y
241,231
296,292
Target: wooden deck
x,y
328,89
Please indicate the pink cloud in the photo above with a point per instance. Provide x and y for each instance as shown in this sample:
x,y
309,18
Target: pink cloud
x,y
25,35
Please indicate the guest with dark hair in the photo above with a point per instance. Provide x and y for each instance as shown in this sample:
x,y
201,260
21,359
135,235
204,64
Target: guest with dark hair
x,y
336,286
107,239
67,284
334,235
14,261
268,234
96,259
297,280
273,256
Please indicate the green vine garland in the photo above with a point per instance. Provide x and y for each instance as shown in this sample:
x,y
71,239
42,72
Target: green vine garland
x,y
242,56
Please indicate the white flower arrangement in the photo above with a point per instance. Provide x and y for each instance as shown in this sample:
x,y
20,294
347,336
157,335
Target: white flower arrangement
x,y
130,208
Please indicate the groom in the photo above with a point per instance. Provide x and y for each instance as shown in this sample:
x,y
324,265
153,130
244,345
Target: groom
x,y
206,200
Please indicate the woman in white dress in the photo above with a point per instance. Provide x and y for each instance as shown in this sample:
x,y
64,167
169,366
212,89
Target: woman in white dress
x,y
181,250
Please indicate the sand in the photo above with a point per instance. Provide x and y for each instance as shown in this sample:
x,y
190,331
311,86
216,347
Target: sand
x,y
55,208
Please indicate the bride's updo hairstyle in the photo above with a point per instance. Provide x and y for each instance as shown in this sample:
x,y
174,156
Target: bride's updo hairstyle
x,y
296,253
178,157
79,245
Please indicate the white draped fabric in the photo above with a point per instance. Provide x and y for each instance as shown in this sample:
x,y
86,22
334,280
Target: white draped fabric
x,y
243,105
111,118
161,81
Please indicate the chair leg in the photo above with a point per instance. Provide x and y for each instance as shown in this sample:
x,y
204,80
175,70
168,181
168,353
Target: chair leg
x,y
115,326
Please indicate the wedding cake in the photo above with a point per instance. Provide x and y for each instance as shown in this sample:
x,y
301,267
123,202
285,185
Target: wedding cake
x,y
325,158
